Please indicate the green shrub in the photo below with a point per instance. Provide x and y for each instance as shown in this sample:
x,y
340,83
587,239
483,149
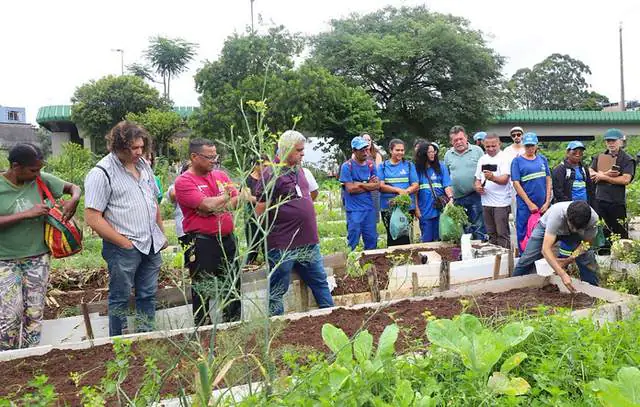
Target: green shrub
x,y
73,164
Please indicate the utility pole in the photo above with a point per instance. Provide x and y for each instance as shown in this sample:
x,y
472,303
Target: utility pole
x,y
121,51
252,16
622,102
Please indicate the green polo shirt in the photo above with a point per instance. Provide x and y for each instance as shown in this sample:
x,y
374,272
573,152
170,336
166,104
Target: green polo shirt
x,y
462,169
25,238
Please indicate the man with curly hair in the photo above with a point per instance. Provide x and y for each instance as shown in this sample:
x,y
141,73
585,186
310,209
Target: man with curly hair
x,y
121,207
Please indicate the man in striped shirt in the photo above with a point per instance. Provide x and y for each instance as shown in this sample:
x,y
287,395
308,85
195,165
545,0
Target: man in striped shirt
x,y
121,207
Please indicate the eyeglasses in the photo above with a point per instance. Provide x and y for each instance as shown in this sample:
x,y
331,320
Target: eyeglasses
x,y
516,134
208,157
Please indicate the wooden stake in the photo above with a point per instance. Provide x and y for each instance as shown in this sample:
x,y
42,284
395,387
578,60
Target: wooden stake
x,y
496,266
372,277
511,261
87,320
445,273
414,284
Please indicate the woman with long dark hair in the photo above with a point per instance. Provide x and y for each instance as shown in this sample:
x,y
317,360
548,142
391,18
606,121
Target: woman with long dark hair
x,y
397,177
434,182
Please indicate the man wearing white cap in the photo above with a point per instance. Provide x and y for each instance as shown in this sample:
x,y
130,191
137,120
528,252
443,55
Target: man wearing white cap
x,y
516,148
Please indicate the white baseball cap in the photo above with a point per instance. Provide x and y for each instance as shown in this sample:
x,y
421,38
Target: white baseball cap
x,y
516,128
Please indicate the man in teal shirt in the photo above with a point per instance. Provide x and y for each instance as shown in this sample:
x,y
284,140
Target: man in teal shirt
x,y
461,161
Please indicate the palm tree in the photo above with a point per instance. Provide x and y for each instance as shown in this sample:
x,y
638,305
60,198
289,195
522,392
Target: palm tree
x,y
169,57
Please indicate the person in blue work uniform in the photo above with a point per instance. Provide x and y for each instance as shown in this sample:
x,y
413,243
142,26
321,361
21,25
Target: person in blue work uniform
x,y
433,181
359,179
397,177
532,181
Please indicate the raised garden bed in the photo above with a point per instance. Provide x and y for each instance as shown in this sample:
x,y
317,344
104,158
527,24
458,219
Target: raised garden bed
x,y
302,331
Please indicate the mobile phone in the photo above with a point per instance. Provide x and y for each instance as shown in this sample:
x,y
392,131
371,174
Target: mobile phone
x,y
489,167
615,168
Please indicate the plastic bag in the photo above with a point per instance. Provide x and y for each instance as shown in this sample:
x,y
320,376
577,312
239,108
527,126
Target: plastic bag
x,y
531,224
450,231
398,224
600,240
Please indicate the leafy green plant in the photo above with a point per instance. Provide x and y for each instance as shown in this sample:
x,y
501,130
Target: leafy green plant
x,y
401,201
481,348
623,391
457,214
44,393
354,267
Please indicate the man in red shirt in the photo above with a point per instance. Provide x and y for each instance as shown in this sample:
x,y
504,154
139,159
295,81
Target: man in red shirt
x,y
206,197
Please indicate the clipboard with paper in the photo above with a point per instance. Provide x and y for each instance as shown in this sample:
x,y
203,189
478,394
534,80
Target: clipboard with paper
x,y
605,162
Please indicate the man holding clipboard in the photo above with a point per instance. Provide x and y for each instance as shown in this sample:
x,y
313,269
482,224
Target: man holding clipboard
x,y
612,171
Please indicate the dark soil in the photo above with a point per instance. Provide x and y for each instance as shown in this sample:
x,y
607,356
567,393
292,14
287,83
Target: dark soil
x,y
346,284
68,300
301,334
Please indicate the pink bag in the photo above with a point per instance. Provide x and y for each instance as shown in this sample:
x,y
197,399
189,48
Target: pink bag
x,y
531,224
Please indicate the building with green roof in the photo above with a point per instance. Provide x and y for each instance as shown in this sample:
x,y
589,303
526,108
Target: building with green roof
x,y
563,125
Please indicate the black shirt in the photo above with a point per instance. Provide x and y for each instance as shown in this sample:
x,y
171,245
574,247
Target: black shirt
x,y
607,192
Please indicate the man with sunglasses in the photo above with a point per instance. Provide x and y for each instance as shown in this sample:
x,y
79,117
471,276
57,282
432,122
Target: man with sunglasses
x,y
516,148
206,197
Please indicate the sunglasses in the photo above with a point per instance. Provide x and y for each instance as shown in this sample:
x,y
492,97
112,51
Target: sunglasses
x,y
516,134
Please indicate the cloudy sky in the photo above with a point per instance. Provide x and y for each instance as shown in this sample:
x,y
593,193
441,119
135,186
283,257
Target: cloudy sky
x,y
51,47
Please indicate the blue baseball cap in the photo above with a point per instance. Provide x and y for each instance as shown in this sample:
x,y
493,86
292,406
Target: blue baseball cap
x,y
575,144
358,143
479,135
613,134
530,139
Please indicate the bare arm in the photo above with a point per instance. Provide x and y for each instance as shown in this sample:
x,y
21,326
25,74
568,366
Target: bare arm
x,y
314,195
523,195
550,257
413,188
624,179
261,207
96,222
449,192
389,189
35,211
547,201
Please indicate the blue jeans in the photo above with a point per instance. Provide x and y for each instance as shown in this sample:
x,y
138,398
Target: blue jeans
x,y
586,262
430,229
307,261
362,223
130,268
473,206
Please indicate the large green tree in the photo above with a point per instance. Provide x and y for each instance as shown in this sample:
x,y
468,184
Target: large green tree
x,y
169,57
162,125
256,67
99,105
427,71
559,82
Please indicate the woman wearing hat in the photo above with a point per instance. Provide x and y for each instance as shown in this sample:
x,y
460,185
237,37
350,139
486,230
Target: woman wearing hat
x,y
532,181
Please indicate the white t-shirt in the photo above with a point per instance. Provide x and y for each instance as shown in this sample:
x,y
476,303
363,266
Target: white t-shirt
x,y
495,194
313,184
512,153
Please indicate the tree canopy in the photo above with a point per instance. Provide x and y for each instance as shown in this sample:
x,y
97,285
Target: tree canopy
x,y
169,57
427,71
99,105
162,125
559,82
261,67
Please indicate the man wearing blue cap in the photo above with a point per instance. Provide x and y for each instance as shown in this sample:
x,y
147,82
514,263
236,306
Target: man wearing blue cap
x,y
611,181
358,178
570,178
479,139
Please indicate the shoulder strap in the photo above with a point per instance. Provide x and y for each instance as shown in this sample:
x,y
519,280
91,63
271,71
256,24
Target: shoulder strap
x,y
44,191
106,174
426,173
